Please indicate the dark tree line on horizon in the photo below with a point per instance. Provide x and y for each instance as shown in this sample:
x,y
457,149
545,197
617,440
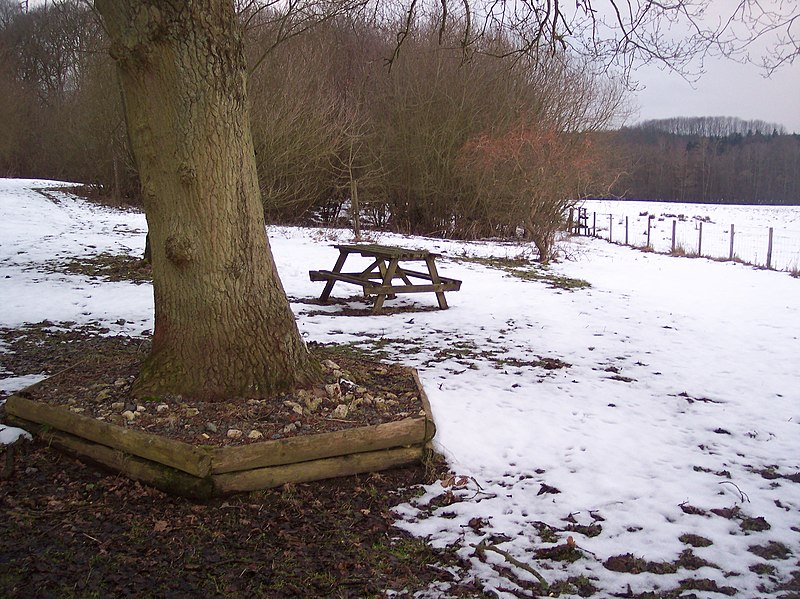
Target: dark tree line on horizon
x,y
710,160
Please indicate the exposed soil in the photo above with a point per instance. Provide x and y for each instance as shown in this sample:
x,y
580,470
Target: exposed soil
x,y
354,392
72,530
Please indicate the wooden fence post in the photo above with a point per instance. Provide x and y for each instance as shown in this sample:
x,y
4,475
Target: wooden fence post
x,y
626,230
571,222
700,240
730,255
594,224
649,222
674,224
610,225
769,250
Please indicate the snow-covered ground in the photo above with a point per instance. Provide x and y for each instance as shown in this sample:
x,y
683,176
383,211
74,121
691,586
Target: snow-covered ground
x,y
751,225
680,394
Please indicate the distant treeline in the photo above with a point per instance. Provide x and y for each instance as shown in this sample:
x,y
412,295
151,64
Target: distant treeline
x,y
710,160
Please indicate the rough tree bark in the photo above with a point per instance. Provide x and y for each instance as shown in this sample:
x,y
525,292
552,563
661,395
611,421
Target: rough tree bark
x,y
223,325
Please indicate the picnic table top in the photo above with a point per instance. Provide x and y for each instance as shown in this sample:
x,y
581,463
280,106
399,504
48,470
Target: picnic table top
x,y
385,251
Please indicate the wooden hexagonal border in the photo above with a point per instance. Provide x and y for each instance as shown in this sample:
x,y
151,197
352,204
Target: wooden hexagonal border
x,y
202,471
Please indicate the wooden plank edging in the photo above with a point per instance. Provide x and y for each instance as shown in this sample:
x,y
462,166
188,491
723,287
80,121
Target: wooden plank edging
x,y
158,475
346,465
430,425
182,468
177,454
304,448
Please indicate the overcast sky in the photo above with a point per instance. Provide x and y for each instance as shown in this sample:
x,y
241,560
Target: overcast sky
x,y
726,88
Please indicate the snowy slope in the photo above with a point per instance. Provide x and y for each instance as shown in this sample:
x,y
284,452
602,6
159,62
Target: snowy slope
x,y
680,392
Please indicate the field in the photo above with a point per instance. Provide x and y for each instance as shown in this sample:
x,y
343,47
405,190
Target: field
x,y
618,424
751,226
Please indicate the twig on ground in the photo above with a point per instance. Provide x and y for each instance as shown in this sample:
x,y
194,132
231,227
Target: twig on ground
x,y
483,547
743,495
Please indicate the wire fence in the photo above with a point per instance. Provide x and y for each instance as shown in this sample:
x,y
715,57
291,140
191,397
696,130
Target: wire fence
x,y
696,237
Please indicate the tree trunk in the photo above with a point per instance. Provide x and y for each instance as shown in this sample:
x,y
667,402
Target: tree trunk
x,y
223,326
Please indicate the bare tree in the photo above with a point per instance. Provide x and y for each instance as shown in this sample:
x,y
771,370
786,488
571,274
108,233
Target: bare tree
x,y
223,323
625,33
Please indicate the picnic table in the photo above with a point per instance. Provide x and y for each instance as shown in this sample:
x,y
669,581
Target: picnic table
x,y
379,277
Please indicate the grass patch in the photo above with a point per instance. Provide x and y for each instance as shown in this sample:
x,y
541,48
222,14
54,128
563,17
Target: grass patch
x,y
106,267
694,540
527,271
770,551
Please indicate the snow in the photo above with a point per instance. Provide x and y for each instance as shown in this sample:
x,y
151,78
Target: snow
x,y
682,388
751,225
9,434
10,384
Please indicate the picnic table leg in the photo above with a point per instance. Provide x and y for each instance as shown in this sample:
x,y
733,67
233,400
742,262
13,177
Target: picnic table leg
x,y
436,281
387,282
337,269
382,268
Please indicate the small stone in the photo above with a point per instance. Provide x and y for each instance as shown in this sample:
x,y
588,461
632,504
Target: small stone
x,y
296,407
312,403
330,365
120,383
162,407
141,409
211,427
254,434
191,412
103,395
77,410
289,428
118,405
129,415
204,436
333,390
234,433
340,411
